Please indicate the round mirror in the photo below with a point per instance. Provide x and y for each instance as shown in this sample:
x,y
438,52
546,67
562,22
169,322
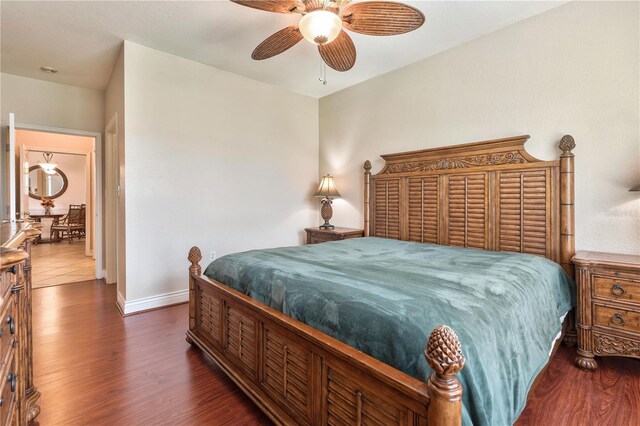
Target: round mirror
x,y
42,184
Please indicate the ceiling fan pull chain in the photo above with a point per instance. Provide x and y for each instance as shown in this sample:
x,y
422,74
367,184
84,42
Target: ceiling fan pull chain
x,y
323,73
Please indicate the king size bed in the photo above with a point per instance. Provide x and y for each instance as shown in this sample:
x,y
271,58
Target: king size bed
x,y
475,238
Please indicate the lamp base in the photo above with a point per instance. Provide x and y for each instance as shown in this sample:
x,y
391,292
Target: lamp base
x,y
326,212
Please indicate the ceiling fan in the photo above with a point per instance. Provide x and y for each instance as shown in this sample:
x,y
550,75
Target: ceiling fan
x,y
323,23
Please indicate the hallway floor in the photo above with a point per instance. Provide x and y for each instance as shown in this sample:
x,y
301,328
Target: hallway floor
x,y
61,263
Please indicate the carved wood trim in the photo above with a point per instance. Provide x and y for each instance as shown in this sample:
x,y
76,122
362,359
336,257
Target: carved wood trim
x,y
477,154
512,157
491,195
606,344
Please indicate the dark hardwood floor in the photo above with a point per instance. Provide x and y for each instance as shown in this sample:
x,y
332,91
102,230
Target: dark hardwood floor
x,y
94,367
567,395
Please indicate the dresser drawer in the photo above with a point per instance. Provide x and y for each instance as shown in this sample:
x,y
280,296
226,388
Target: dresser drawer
x,y
9,388
7,327
617,318
616,289
8,279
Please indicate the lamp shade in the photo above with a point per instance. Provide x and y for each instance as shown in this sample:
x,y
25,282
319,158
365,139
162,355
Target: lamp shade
x,y
327,188
48,167
320,26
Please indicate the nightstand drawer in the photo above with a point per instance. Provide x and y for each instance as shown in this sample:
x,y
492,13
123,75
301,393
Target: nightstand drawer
x,y
617,318
319,235
616,289
320,238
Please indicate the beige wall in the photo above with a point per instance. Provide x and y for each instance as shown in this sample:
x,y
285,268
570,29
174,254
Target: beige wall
x,y
44,103
573,69
214,160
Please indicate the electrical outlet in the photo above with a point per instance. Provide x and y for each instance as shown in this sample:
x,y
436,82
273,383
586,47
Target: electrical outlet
x,y
212,256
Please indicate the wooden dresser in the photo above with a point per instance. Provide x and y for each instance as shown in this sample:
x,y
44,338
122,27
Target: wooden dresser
x,y
608,306
18,396
317,235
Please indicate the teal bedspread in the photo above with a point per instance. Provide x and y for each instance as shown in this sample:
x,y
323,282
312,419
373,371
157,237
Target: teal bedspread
x,y
383,297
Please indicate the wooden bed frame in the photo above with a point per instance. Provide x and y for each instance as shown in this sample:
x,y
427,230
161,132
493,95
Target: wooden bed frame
x,y
491,195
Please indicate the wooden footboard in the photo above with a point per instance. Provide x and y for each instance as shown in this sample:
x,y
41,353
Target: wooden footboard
x,y
298,375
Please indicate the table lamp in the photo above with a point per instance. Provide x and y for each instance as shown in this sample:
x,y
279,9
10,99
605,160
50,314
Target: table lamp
x,y
327,190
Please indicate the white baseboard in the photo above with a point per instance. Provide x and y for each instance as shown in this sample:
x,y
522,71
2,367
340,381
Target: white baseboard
x,y
132,306
101,274
120,302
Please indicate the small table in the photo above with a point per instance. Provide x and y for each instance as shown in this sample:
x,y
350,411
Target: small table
x,y
318,235
608,311
54,218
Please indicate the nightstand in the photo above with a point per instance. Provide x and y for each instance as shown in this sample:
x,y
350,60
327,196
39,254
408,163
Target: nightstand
x,y
608,311
317,235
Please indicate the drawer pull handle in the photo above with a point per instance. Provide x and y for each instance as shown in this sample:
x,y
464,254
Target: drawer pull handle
x,y
617,320
617,290
12,324
11,378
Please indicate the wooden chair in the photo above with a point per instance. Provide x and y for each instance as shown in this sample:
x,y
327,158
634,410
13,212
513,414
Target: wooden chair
x,y
72,224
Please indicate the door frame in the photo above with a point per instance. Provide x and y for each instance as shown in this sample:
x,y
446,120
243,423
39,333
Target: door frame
x,y
97,184
11,140
112,200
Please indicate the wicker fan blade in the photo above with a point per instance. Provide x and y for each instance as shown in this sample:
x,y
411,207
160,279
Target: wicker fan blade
x,y
381,18
340,54
283,6
277,43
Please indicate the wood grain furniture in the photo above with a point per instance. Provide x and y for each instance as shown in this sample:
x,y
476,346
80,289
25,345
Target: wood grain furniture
x,y
70,225
608,311
319,235
18,395
54,219
490,195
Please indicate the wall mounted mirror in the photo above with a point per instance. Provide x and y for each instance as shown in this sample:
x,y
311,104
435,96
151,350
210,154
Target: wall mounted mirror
x,y
42,184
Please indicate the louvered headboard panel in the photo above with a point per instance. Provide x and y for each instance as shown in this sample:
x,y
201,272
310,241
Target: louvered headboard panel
x,y
490,195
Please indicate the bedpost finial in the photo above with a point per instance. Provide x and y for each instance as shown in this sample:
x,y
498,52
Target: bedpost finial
x,y
194,256
567,143
367,165
444,351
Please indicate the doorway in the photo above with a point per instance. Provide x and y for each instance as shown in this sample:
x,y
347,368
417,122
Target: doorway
x,y
64,196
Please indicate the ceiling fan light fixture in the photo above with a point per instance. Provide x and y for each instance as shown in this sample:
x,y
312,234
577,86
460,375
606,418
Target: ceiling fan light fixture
x,y
320,26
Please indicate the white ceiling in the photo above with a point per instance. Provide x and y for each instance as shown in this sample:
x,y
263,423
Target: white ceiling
x,y
82,39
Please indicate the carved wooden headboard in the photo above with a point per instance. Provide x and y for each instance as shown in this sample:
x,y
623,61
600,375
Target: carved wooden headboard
x,y
490,195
